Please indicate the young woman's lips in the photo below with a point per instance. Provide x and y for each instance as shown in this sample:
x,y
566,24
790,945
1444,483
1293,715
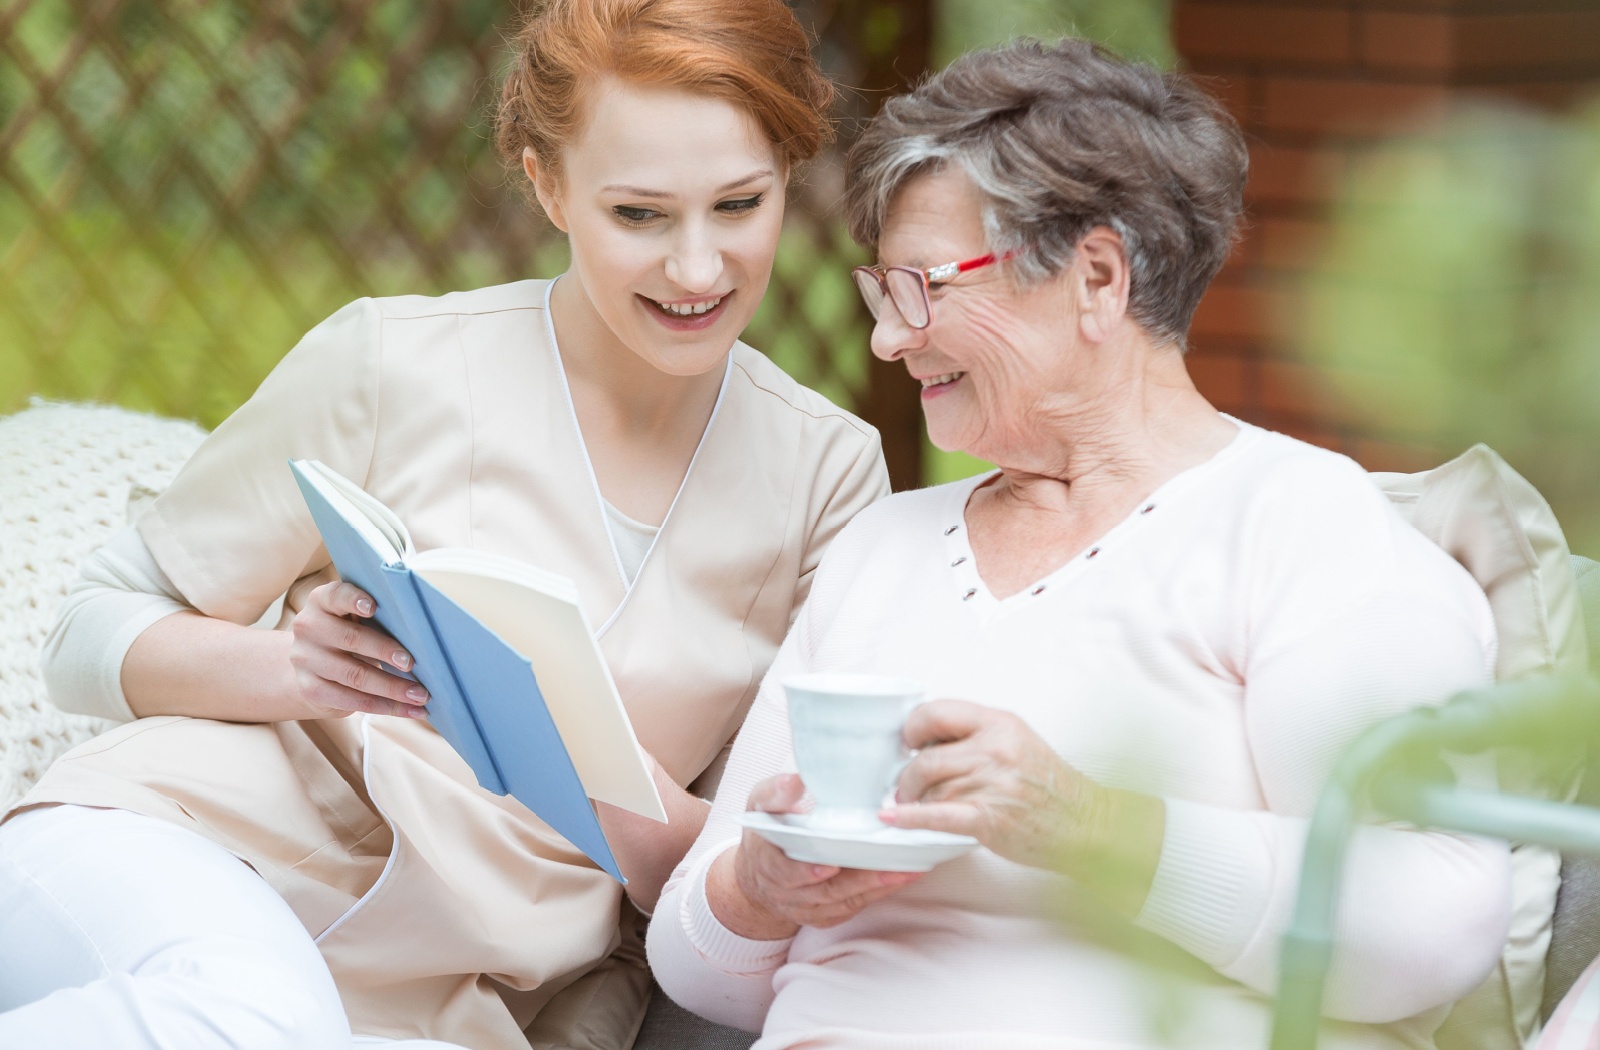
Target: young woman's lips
x,y
690,322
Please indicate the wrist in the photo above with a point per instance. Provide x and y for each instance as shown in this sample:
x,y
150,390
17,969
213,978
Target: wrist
x,y
281,689
735,909
1120,847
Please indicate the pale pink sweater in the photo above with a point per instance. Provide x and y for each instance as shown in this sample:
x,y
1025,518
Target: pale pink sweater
x,y
1218,649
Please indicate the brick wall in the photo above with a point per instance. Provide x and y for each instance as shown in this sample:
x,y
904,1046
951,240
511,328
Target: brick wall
x,y
1311,81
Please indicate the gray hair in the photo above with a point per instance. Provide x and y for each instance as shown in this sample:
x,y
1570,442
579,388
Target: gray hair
x,y
1062,138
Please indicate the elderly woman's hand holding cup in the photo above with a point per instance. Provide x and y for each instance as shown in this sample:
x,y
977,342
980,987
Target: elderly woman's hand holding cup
x,y
984,772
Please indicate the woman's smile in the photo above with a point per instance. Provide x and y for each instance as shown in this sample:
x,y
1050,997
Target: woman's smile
x,y
936,385
688,315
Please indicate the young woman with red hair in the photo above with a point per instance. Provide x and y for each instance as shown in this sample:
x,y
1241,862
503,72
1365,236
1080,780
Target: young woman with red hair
x,y
606,425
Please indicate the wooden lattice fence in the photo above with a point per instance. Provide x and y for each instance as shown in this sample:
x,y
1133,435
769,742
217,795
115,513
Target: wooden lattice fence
x,y
186,186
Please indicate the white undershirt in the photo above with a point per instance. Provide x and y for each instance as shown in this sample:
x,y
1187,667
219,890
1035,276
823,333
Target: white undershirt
x,y
632,538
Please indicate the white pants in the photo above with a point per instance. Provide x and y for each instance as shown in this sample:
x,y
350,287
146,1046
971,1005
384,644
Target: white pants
x,y
122,932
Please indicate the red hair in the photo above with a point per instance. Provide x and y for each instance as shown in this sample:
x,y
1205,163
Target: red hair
x,y
752,53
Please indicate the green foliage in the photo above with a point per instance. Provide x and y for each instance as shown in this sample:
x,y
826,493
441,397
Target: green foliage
x,y
812,302
1137,29
1456,302
210,179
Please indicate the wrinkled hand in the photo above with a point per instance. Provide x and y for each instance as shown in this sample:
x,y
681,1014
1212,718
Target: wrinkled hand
x,y
775,895
335,655
985,773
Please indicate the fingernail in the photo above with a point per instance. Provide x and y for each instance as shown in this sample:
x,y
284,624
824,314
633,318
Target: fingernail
x,y
417,712
364,606
417,693
401,659
819,870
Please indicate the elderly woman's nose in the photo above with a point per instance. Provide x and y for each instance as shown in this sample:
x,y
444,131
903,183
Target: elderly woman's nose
x,y
891,336
695,262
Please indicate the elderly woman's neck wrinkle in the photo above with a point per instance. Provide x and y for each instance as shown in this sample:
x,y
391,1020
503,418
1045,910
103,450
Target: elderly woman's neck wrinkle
x,y
1105,431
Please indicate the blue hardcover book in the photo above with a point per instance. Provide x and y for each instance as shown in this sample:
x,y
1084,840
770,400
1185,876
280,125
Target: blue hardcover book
x,y
516,681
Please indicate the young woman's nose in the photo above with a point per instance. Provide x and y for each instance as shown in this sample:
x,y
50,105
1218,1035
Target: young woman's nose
x,y
695,262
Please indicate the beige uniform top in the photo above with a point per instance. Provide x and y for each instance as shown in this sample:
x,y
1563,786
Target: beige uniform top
x,y
445,911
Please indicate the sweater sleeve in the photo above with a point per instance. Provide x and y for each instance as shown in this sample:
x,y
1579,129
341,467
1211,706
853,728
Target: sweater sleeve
x,y
119,592
699,962
1422,915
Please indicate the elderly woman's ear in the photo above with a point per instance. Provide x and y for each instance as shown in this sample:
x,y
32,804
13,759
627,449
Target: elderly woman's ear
x,y
1099,277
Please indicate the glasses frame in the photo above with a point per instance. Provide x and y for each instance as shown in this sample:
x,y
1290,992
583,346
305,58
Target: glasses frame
x,y
926,278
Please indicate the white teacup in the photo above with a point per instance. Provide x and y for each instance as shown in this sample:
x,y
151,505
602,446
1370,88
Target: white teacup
x,y
846,731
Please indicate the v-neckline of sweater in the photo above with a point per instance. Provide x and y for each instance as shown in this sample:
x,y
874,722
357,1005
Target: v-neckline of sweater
x,y
962,564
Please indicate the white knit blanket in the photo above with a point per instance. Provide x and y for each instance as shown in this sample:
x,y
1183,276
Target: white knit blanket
x,y
66,474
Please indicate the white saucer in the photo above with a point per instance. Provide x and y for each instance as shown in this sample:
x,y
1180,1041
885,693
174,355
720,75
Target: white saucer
x,y
880,849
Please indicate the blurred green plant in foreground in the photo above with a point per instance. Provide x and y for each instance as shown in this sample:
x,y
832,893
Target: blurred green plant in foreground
x,y
1458,298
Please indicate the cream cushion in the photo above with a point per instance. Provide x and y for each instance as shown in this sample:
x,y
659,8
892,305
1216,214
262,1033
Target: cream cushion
x,y
66,474
1491,520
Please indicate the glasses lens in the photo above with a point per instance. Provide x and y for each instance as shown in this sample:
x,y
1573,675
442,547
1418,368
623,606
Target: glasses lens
x,y
905,288
871,290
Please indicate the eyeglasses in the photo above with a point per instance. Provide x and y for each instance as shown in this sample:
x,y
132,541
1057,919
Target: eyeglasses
x,y
908,286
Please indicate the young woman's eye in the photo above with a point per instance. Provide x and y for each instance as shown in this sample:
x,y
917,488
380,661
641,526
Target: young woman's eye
x,y
633,216
742,204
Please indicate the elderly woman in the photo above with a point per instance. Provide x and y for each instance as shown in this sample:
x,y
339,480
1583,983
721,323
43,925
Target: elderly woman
x,y
1151,630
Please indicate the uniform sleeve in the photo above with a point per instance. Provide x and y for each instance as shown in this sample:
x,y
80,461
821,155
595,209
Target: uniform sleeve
x,y
232,531
1423,915
852,477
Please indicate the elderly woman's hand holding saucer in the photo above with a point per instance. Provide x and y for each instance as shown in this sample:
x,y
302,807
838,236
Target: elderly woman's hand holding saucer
x,y
821,861
764,895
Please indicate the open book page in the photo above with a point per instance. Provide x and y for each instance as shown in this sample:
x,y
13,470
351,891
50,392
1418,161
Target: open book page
x,y
378,517
537,614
